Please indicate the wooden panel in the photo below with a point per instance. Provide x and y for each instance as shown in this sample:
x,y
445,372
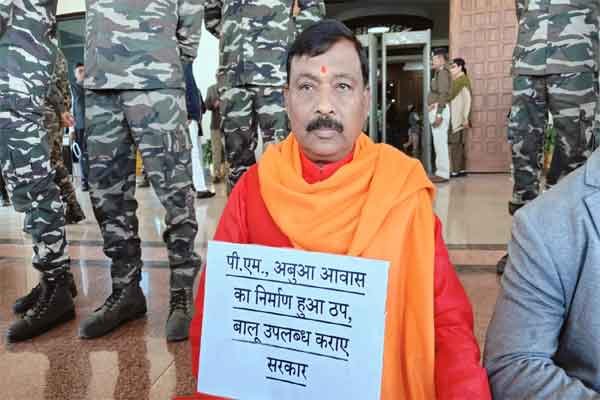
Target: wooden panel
x,y
483,32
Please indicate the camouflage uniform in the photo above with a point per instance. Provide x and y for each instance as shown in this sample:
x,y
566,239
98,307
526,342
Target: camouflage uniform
x,y
57,102
554,69
135,97
27,56
254,37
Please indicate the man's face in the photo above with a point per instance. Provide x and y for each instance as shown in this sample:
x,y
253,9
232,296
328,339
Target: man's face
x,y
437,61
327,102
80,74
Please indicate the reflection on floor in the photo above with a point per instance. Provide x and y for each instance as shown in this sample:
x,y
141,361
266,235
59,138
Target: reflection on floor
x,y
135,362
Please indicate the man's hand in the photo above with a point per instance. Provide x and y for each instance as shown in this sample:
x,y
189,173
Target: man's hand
x,y
67,119
296,9
438,121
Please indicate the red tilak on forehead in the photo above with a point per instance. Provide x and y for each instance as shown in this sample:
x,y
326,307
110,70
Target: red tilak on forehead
x,y
323,69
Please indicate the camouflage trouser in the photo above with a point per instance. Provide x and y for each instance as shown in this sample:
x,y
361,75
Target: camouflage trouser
x,y
244,110
55,138
571,99
24,157
3,191
154,121
456,145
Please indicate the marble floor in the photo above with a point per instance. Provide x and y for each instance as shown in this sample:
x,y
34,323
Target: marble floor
x,y
136,362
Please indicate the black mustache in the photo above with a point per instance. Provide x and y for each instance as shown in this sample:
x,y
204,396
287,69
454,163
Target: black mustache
x,y
324,122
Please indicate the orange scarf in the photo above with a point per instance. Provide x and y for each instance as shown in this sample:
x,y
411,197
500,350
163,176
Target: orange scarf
x,y
378,206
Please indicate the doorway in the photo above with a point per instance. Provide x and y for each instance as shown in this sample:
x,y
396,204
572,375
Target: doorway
x,y
399,76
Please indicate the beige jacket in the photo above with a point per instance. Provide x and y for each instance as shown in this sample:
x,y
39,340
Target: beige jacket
x,y
460,109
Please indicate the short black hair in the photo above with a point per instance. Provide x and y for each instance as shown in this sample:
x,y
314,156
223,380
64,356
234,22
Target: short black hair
x,y
318,38
461,63
79,64
440,51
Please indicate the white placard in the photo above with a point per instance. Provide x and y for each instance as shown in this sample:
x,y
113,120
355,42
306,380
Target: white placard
x,y
283,324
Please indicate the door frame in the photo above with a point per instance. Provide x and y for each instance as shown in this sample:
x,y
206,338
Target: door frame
x,y
376,53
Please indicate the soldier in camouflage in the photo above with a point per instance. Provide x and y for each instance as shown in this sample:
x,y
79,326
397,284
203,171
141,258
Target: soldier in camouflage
x,y
27,55
254,37
135,98
555,69
56,117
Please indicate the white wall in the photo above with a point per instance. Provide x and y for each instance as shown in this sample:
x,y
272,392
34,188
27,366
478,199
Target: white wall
x,y
205,68
70,6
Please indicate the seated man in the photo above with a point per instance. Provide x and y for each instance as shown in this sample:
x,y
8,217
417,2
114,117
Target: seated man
x,y
329,188
543,341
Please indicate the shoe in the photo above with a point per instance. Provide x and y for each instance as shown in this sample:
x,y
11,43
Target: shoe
x,y
454,174
123,305
181,311
144,183
438,179
74,214
6,203
27,225
25,303
205,194
501,264
514,207
54,306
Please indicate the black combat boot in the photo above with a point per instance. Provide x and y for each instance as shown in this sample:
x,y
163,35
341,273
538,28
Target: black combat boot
x,y
126,303
74,214
23,304
53,307
181,311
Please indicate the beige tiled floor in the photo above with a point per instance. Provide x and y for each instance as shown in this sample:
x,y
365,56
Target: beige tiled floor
x,y
135,362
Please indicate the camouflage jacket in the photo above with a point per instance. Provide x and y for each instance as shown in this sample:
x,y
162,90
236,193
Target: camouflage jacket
x,y
26,53
556,37
132,44
255,35
59,93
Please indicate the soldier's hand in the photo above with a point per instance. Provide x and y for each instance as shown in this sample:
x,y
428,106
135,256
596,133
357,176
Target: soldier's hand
x,y
67,119
296,9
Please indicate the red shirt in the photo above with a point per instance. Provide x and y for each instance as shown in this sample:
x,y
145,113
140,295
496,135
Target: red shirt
x,y
458,370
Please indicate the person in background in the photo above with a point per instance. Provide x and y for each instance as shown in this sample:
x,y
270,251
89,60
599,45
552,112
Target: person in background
x,y
195,109
27,54
414,131
555,69
544,337
78,93
254,37
216,138
439,114
57,117
460,115
136,101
